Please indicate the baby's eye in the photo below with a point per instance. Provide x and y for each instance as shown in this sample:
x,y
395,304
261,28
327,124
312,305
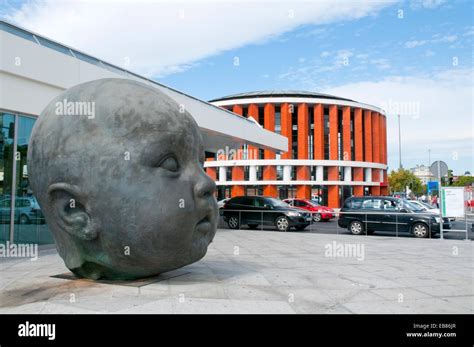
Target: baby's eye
x,y
170,164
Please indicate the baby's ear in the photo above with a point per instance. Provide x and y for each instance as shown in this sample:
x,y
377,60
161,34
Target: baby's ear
x,y
68,207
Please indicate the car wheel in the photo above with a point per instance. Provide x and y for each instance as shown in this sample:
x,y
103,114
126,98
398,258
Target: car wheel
x,y
300,227
23,219
317,217
356,227
282,223
253,226
233,222
420,230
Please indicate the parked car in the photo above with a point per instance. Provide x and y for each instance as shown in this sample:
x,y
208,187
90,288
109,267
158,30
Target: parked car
x,y
258,210
26,211
429,208
367,214
319,212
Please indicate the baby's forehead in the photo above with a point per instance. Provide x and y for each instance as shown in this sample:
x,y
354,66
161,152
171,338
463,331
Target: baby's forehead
x,y
158,128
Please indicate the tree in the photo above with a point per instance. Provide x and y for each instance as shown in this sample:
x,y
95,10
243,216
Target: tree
x,y
464,181
399,180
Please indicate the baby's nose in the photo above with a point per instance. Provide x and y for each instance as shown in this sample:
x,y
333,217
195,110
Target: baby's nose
x,y
205,186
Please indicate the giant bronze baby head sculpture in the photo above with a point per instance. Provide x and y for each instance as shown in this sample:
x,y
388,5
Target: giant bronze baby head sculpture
x,y
117,168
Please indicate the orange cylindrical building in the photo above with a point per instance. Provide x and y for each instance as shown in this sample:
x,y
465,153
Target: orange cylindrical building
x,y
337,147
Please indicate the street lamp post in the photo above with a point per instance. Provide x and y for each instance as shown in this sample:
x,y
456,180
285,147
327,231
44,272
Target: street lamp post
x,y
399,144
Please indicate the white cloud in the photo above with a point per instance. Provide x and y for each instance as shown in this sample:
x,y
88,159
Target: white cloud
x,y
306,73
382,64
440,114
429,53
317,72
427,3
469,31
437,38
362,56
318,32
445,38
157,35
415,43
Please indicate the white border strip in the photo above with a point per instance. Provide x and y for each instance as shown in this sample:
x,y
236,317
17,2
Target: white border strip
x,y
297,100
297,183
294,162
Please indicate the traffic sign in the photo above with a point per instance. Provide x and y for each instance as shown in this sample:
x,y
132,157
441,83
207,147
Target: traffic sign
x,y
439,169
432,185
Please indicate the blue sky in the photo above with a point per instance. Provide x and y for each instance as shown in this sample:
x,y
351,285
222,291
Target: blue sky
x,y
422,43
392,54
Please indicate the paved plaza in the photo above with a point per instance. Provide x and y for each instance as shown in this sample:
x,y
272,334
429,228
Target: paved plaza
x,y
263,271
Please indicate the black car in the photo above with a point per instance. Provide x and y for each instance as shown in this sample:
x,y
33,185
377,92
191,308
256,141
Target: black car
x,y
258,210
364,215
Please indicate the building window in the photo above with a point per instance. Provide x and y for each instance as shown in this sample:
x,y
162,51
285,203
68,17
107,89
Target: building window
x,y
363,137
340,138
223,192
282,192
326,133
319,194
352,135
255,190
245,111
312,170
279,170
259,173
291,192
294,134
261,116
278,119
344,193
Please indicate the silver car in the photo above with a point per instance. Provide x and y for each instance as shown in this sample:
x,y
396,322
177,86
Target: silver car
x,y
27,210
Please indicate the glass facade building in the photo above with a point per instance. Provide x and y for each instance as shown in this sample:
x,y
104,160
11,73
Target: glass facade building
x,y
21,218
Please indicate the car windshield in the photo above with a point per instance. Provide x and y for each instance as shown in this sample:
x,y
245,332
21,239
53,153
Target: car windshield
x,y
427,205
313,203
412,206
277,203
